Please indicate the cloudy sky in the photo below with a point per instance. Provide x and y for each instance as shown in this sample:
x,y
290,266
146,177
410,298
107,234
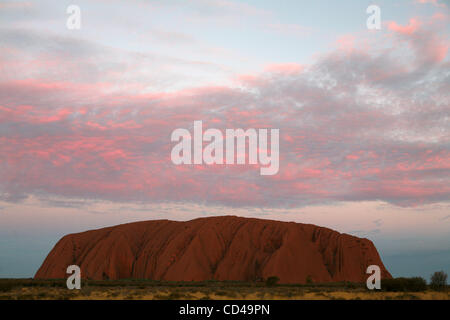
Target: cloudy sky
x,y
86,117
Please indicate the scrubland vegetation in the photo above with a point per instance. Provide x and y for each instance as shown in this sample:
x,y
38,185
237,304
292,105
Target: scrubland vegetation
x,y
399,288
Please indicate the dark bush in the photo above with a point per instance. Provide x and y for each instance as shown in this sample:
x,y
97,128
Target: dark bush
x,y
271,281
439,280
6,286
404,284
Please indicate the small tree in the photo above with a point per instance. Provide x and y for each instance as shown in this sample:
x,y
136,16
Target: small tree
x,y
439,280
271,281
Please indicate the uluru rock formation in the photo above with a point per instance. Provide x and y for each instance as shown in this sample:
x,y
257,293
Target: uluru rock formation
x,y
220,248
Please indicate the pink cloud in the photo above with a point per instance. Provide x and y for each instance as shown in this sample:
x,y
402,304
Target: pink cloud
x,y
346,42
436,3
348,126
412,26
285,68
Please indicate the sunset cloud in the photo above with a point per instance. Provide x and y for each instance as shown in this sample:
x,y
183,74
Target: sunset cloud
x,y
354,125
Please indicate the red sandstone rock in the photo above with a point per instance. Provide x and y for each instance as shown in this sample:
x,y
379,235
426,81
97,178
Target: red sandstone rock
x,y
220,248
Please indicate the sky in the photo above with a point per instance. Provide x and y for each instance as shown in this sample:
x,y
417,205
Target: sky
x,y
86,117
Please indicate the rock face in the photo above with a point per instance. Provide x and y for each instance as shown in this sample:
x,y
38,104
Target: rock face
x,y
220,248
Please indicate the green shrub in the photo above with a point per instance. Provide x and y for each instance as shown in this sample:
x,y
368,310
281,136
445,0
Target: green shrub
x,y
404,284
438,280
